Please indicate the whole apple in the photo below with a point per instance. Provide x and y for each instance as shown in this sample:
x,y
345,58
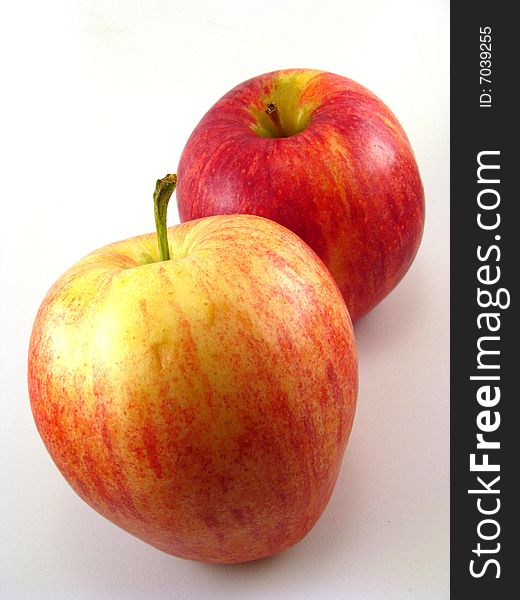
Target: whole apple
x,y
203,403
324,157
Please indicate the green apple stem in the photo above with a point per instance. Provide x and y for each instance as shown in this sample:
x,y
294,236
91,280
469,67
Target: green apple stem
x,y
271,110
161,197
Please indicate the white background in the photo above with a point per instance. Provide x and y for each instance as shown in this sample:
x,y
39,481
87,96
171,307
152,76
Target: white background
x,y
98,100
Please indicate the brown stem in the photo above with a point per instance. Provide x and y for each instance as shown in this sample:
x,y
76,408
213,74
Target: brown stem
x,y
271,110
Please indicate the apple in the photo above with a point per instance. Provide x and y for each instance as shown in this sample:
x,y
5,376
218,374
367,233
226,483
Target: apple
x,y
321,155
200,396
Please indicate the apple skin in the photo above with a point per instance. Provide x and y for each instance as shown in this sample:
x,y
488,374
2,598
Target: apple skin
x,y
202,403
345,179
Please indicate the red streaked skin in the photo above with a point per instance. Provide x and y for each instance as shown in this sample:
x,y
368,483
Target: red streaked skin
x,y
348,184
202,403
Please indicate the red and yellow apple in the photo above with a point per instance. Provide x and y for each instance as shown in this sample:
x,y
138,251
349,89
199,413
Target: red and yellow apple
x,y
202,403
324,157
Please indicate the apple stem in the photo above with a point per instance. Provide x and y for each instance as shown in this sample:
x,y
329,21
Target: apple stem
x,y
271,110
163,191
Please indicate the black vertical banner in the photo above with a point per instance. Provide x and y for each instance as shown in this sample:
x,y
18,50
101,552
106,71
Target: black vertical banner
x,y
485,267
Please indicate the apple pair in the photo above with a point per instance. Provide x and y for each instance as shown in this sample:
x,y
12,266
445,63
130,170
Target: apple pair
x,y
197,387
